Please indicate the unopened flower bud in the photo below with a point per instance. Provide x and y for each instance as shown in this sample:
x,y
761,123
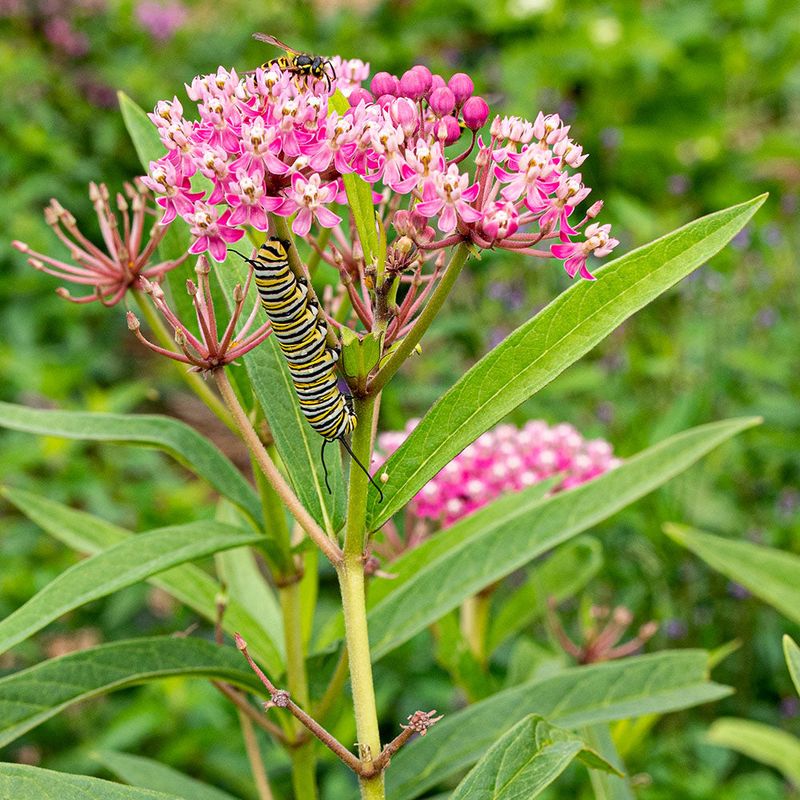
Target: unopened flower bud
x,y
413,85
461,86
385,100
384,83
404,113
594,209
427,78
133,321
448,130
475,113
404,245
442,101
358,96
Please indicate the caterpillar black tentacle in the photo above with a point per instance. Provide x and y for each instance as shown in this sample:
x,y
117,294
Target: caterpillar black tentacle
x,y
302,336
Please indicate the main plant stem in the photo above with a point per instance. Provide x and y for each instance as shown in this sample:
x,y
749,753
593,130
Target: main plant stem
x,y
351,583
303,760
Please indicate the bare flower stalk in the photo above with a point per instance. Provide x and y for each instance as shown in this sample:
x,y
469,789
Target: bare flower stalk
x,y
279,698
331,550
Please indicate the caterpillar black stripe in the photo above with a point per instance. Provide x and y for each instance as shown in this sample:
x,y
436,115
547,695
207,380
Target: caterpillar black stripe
x,y
302,336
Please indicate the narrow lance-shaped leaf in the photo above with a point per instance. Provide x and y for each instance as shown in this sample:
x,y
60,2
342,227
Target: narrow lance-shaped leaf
x,y
772,575
188,584
170,435
545,346
657,683
523,531
121,565
606,785
22,782
525,762
359,197
766,744
792,653
298,444
149,774
412,561
31,696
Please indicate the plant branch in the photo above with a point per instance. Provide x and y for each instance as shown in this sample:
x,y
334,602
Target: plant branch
x,y
245,708
437,298
281,699
273,475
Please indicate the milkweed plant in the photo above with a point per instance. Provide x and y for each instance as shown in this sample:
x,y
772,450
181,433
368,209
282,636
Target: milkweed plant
x,y
374,193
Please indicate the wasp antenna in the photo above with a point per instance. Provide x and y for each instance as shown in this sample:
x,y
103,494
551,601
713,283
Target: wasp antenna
x,y
363,468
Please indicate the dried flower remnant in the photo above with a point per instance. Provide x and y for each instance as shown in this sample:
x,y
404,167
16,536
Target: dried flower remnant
x,y
602,635
209,350
505,459
129,246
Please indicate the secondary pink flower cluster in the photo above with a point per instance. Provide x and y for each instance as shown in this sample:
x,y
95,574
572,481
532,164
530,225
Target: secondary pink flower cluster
x,y
505,459
272,142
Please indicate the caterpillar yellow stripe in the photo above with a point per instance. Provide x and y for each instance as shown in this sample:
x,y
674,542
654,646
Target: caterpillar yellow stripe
x,y
302,332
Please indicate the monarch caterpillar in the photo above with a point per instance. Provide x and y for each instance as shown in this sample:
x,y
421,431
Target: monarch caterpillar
x,y
301,333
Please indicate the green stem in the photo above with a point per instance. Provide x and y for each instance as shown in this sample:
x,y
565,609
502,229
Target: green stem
x,y
302,756
351,583
271,472
474,624
192,379
431,309
254,757
334,690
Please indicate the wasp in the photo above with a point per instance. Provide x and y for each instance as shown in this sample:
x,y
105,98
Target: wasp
x,y
302,65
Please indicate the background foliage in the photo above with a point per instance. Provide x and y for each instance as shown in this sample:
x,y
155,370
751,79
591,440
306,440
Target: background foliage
x,y
685,108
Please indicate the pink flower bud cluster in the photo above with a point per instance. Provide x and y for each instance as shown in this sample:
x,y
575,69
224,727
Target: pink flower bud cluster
x,y
505,459
271,142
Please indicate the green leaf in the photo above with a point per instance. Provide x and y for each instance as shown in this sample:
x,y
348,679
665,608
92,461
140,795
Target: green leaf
x,y
299,446
33,695
150,774
359,198
514,533
187,583
21,782
792,653
657,683
121,565
564,574
143,132
170,435
525,762
545,346
763,743
249,588
607,786
772,575
359,356
412,561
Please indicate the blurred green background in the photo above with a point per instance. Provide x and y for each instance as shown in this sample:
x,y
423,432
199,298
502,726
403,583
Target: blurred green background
x,y
684,107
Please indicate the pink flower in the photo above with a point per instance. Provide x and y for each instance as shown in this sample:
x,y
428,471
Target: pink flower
x,y
308,198
505,459
212,233
449,195
597,241
500,220
248,200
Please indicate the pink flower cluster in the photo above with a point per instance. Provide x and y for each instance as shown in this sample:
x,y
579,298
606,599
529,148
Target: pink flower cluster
x,y
272,142
505,459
